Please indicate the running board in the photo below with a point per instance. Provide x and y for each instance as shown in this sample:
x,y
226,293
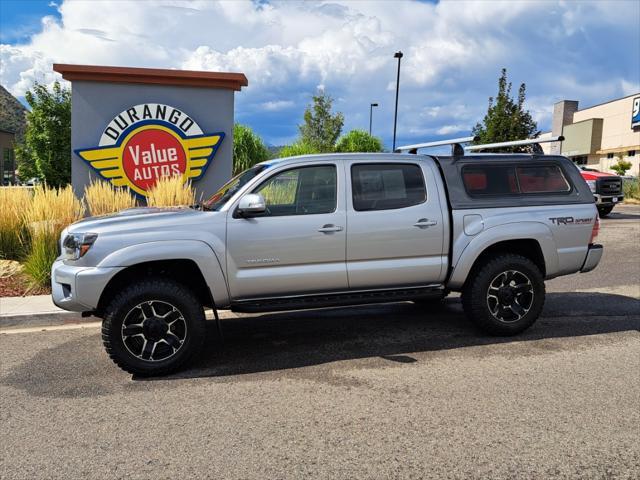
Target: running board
x,y
303,302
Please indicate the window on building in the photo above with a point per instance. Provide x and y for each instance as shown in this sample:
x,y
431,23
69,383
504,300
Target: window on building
x,y
8,167
386,186
609,155
301,191
631,153
582,160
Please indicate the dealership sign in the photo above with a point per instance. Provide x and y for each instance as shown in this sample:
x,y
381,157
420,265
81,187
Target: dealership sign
x,y
635,115
149,141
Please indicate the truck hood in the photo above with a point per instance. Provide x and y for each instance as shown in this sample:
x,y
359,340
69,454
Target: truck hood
x,y
595,175
134,219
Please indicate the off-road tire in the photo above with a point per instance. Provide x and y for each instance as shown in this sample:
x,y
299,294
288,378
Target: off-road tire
x,y
475,300
161,290
605,211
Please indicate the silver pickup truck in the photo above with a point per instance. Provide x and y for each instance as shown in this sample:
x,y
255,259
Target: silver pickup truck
x,y
325,230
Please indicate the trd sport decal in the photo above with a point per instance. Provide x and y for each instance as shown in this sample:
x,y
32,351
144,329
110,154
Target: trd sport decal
x,y
149,141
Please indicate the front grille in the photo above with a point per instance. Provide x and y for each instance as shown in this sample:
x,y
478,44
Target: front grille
x,y
609,186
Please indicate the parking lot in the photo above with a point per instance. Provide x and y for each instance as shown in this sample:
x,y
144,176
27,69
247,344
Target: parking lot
x,y
388,391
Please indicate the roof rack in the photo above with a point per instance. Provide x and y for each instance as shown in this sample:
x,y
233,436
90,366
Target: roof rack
x,y
534,142
456,148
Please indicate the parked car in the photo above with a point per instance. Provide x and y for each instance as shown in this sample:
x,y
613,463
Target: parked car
x,y
325,230
606,189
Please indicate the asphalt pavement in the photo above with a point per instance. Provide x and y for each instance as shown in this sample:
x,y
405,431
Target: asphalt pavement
x,y
387,391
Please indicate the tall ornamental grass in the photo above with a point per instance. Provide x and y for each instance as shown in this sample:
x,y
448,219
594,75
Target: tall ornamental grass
x,y
102,199
631,189
49,212
13,202
171,192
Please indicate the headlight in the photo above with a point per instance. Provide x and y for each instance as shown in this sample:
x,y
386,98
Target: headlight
x,y
592,185
75,245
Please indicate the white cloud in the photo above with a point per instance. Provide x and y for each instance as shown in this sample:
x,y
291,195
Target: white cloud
x,y
453,53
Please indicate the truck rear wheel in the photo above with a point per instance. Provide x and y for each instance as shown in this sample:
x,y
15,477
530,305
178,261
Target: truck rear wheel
x,y
504,295
153,327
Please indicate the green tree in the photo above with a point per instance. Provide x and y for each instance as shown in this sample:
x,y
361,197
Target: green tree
x,y
506,118
248,148
45,152
358,141
321,129
621,167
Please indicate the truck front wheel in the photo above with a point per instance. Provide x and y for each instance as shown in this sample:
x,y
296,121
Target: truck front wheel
x,y
504,295
153,327
604,211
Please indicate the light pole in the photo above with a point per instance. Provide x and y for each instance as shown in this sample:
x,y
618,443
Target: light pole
x,y
371,114
397,55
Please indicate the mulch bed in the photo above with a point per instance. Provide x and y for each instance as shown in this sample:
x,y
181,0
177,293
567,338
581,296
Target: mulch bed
x,y
18,285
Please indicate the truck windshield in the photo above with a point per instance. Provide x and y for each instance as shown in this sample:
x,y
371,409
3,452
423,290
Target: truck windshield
x,y
218,199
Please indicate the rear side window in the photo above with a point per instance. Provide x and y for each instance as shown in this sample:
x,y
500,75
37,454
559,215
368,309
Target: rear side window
x,y
386,186
542,179
513,180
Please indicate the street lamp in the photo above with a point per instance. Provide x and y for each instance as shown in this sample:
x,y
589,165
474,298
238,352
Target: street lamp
x,y
371,114
397,55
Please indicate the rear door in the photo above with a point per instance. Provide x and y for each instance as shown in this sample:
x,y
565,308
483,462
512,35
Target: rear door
x,y
298,245
395,226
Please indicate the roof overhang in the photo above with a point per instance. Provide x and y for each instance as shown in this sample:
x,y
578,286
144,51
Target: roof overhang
x,y
156,76
618,149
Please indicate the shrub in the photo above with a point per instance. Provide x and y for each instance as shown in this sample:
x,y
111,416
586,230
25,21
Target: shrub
x,y
298,148
631,188
48,213
13,201
358,141
101,198
248,149
171,192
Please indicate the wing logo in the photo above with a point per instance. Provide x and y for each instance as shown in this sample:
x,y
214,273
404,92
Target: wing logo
x,y
150,141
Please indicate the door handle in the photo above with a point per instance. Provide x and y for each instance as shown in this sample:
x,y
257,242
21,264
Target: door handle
x,y
329,228
424,223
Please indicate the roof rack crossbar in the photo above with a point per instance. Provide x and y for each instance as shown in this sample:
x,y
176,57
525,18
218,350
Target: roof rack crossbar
x,y
454,142
516,143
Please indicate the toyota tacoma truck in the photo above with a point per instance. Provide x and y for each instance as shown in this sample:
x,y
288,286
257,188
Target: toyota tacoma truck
x,y
328,230
606,188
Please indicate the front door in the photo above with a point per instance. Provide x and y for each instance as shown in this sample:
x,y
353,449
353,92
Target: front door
x,y
396,231
298,245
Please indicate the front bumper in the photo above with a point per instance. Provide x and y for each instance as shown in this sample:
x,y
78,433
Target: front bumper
x,y
78,289
608,199
594,254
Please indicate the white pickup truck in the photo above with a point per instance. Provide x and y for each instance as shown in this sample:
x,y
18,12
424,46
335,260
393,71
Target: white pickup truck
x,y
325,230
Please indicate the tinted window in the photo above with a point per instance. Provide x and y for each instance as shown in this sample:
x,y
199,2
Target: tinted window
x,y
542,179
490,180
512,180
301,191
382,186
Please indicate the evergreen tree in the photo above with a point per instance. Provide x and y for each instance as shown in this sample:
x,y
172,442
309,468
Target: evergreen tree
x,y
321,129
506,118
45,152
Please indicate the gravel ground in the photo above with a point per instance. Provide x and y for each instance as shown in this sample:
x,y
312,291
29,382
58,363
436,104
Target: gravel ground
x,y
363,392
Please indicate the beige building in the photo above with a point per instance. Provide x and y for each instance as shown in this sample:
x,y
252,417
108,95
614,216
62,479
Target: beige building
x,y
598,136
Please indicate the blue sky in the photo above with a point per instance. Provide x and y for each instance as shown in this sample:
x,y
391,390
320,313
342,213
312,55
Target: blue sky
x,y
586,51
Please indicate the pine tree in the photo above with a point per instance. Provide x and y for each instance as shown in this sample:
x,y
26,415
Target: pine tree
x,y
506,118
321,129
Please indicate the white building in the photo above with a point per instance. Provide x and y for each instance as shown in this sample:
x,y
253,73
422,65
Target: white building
x,y
598,136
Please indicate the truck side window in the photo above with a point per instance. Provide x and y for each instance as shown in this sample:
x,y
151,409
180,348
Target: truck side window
x,y
542,179
386,186
301,191
500,180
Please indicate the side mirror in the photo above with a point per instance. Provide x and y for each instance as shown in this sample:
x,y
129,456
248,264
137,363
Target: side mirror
x,y
251,204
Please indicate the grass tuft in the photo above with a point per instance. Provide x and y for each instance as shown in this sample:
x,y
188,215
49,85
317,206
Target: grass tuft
x,y
171,192
102,199
13,201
